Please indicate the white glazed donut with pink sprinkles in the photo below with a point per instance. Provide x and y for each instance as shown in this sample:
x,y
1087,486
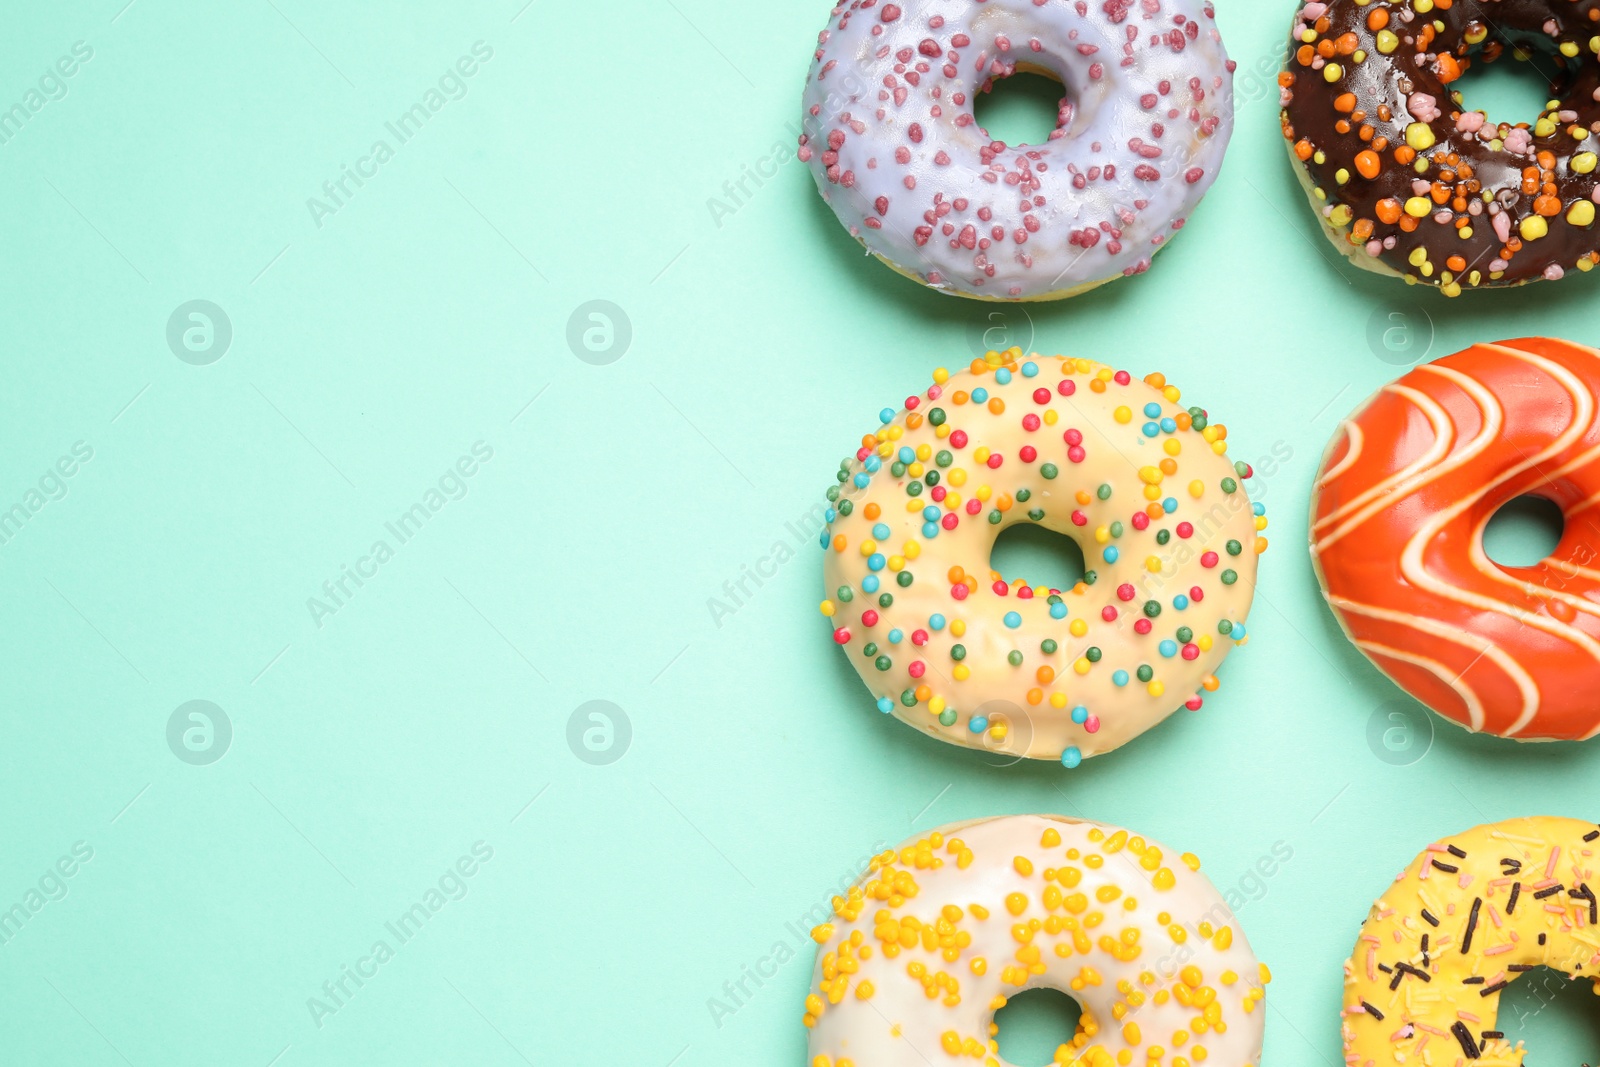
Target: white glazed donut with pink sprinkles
x,y
892,141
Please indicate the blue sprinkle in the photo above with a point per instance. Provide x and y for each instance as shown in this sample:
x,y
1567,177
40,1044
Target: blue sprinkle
x,y
1259,508
1168,648
1169,425
876,561
907,454
1180,601
1110,554
886,416
1058,611
1237,633
885,705
936,622
1071,757
1080,714
930,513
930,530
1012,620
869,584
830,515
1151,429
978,724
1119,678
1029,369
823,540
861,480
880,532
895,636
1003,376
1152,410
979,395
873,464
1169,505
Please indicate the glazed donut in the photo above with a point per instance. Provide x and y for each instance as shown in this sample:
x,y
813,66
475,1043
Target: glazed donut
x,y
1463,921
937,934
890,137
1398,511
972,657
1405,180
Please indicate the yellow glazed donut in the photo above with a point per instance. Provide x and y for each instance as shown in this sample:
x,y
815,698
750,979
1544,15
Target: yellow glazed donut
x,y
1460,923
1144,486
938,933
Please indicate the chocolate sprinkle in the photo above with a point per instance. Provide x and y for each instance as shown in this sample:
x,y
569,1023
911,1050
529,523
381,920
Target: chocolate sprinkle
x,y
1428,918
1456,852
1463,1035
1548,891
1486,990
1446,868
1370,1010
1511,905
1472,925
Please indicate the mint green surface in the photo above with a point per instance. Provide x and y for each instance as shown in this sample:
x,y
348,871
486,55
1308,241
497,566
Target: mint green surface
x,y
378,740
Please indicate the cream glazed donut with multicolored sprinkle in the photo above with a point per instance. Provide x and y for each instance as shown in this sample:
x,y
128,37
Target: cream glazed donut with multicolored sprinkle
x,y
1142,484
939,933
890,136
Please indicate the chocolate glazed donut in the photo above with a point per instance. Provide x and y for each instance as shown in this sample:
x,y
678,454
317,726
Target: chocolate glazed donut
x,y
1408,183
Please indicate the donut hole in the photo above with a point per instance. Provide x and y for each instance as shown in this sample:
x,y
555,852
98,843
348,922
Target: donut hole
x,y
1512,88
1034,1024
1037,556
1552,1015
1523,532
1024,108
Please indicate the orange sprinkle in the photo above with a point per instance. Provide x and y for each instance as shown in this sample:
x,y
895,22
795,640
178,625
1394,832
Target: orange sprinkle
x,y
1388,209
1368,165
1378,19
1345,102
1303,149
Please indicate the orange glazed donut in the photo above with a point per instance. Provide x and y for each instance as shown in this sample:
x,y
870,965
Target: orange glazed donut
x,y
1397,518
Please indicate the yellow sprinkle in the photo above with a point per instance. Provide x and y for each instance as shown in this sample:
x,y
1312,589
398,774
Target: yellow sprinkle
x,y
1533,227
828,608
1332,72
1197,488
1387,41
1419,207
1419,135
1581,213
1583,162
1123,414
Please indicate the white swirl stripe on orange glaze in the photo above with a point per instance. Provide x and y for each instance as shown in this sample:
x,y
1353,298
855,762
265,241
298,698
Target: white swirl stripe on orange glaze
x,y
941,931
1407,487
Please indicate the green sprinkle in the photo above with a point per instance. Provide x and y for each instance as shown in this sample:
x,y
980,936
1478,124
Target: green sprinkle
x,y
1152,608
1163,536
846,594
932,478
1092,654
994,517
903,579
897,469
885,600
1116,529
1185,634
1023,495
869,649
1234,548
1049,470
908,697
947,717
1048,646
913,489
1225,627
1036,514
1104,492
1229,576
846,507
1241,468
1229,485
944,458
883,663
936,416
958,652
1014,658
1145,673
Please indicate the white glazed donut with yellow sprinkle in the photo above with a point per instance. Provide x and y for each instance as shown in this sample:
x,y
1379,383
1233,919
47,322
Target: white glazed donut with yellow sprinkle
x,y
1168,533
940,932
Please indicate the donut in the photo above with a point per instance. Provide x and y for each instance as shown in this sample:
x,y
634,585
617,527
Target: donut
x,y
1398,512
1464,920
937,934
1406,181
889,134
967,655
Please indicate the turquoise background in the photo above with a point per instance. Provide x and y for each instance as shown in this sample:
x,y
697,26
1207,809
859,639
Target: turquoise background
x,y
374,345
